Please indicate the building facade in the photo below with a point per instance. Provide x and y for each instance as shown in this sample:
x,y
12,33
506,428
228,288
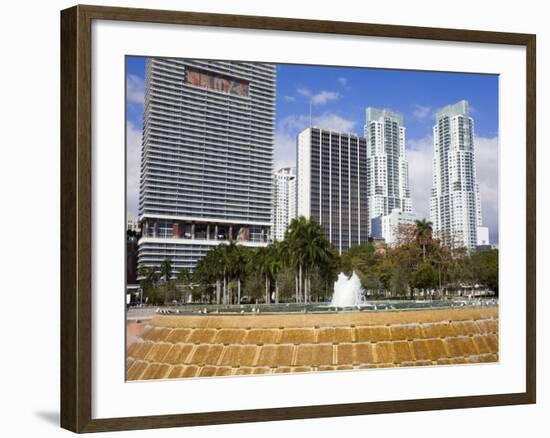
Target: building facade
x,y
332,184
132,224
207,153
391,227
387,165
455,205
483,236
284,200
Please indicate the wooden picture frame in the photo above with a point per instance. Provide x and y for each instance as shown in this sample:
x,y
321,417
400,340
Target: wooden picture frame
x,y
76,217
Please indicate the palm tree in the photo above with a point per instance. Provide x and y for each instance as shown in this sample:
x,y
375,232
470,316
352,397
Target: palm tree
x,y
315,253
424,231
166,269
234,262
209,270
148,279
292,242
305,247
262,263
183,278
166,274
239,262
222,259
275,265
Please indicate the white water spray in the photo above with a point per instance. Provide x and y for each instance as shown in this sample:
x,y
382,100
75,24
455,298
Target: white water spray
x,y
347,291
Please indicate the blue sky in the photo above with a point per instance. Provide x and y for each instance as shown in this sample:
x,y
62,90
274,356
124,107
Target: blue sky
x,y
339,97
415,94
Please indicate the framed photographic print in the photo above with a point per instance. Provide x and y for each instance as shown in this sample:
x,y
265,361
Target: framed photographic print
x,y
304,218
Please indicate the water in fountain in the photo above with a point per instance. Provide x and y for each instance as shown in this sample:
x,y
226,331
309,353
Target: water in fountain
x,y
347,291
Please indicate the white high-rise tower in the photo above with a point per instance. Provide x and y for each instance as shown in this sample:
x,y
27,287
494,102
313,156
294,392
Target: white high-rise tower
x,y
455,208
387,166
284,200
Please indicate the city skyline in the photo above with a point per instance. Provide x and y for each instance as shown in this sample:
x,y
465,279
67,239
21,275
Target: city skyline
x,y
338,98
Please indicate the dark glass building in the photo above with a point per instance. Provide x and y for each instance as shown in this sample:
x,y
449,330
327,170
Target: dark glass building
x,y
332,184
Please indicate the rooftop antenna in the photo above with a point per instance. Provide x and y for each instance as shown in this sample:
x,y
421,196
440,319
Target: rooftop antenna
x,y
310,119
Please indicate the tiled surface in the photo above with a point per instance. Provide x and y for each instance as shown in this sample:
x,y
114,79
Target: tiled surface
x,y
217,345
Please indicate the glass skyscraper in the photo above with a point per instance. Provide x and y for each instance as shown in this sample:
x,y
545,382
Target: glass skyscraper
x,y
332,184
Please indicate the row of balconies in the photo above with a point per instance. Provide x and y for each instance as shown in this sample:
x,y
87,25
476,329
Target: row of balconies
x,y
249,119
203,99
161,175
209,147
206,198
223,162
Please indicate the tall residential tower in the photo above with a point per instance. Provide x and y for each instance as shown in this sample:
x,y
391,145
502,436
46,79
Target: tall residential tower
x,y
207,156
332,184
284,200
387,166
455,208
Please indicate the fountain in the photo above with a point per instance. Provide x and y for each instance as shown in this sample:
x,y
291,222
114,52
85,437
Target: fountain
x,y
347,291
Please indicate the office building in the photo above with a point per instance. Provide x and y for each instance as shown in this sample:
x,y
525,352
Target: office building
x,y
332,184
387,166
284,200
396,227
455,207
207,156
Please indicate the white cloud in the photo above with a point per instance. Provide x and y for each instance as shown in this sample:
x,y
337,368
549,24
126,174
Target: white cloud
x,y
487,178
343,82
420,112
289,127
324,97
133,159
135,89
285,150
420,155
296,123
334,121
320,98
289,98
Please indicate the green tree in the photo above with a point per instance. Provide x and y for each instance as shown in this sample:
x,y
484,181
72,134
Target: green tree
x,y
209,271
239,261
261,263
358,258
424,276
424,230
399,280
487,262
166,269
183,280
305,248
149,278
